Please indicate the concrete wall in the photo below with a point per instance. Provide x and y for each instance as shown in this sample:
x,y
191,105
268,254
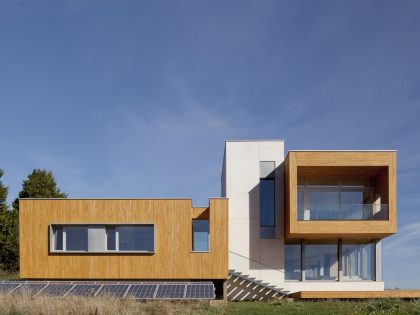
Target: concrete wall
x,y
259,258
263,259
296,286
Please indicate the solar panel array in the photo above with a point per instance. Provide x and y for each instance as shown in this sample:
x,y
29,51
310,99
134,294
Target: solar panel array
x,y
134,290
139,291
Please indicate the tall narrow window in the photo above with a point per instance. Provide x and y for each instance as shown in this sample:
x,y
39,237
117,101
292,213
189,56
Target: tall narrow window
x,y
111,239
267,200
57,243
200,235
292,259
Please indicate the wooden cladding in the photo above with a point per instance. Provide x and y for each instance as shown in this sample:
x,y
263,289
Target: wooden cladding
x,y
378,166
173,257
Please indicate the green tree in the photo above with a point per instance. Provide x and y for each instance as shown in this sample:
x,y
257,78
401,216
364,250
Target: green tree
x,y
9,248
39,184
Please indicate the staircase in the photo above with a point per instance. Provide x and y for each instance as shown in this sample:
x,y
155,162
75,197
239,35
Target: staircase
x,y
241,287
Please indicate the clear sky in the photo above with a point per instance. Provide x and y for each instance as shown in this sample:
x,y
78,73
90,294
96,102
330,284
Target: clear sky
x,y
136,98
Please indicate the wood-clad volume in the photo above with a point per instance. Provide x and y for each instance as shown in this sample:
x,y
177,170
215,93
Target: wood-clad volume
x,y
173,257
380,164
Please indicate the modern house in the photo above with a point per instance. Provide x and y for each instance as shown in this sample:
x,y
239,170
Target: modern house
x,y
310,221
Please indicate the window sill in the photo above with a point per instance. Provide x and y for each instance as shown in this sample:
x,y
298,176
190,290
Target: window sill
x,y
198,251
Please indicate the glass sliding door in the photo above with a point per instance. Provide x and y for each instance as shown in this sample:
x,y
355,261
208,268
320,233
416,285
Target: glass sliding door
x,y
321,261
358,261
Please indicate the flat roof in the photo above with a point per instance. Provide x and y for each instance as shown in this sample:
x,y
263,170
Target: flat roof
x,y
107,198
257,140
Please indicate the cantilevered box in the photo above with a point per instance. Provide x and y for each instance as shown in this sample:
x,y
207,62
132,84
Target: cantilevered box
x,y
340,194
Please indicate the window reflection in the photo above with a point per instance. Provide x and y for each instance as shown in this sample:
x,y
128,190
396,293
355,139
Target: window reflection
x,y
321,262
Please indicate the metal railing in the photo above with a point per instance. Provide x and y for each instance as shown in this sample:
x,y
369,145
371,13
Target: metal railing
x,y
337,212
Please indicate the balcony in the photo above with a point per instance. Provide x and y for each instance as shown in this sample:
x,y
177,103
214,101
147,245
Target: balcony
x,y
340,194
338,212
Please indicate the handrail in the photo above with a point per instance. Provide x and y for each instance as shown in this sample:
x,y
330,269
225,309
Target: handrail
x,y
271,267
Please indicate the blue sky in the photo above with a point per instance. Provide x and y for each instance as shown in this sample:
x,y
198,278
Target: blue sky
x,y
136,98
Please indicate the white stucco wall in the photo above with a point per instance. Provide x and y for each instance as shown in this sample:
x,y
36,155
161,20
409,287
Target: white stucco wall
x,y
263,259
259,258
334,286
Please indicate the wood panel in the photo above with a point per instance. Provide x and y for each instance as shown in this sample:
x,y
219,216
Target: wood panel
x,y
380,164
173,257
401,294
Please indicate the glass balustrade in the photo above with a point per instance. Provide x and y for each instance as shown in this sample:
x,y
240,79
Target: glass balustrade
x,y
337,212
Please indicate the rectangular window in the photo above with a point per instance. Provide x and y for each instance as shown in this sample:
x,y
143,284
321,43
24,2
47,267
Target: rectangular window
x,y
76,238
321,262
200,235
301,207
292,259
334,199
57,243
111,240
136,238
267,200
358,261
98,238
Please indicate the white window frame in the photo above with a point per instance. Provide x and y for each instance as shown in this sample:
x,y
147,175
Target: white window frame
x,y
192,235
106,251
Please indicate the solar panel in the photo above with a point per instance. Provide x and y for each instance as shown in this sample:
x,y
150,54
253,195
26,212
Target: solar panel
x,y
142,291
170,291
54,289
200,291
7,287
136,290
30,288
114,290
85,289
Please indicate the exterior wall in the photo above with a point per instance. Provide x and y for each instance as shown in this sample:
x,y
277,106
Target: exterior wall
x,y
173,257
259,258
340,229
296,286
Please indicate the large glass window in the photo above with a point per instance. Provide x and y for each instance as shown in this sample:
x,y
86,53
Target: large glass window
x,y
98,238
136,238
267,200
323,204
358,261
292,259
321,262
334,199
76,238
200,235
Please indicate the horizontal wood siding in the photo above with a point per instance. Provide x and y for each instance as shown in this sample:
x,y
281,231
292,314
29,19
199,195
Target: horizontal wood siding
x,y
173,258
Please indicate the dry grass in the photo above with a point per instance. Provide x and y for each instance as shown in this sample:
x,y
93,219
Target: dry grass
x,y
24,304
4,275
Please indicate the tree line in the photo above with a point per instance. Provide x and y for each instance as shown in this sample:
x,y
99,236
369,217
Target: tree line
x,y
39,184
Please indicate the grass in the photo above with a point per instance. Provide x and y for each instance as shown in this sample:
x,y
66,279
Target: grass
x,y
382,306
24,304
4,275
